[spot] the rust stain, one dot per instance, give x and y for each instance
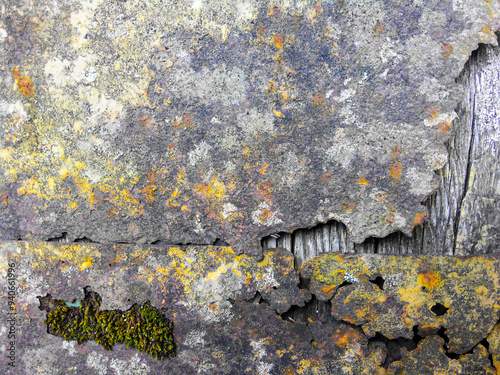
(444, 126)
(350, 205)
(23, 83)
(379, 28)
(318, 99)
(396, 169)
(362, 181)
(447, 49)
(279, 40)
(396, 152)
(420, 219)
(429, 279)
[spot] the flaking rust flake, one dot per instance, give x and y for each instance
(222, 325)
(220, 119)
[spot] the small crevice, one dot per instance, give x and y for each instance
(84, 239)
(486, 344)
(62, 238)
(378, 281)
(395, 347)
(442, 333)
(258, 299)
(344, 284)
(313, 310)
(219, 242)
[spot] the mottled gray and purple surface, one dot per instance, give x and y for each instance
(140, 122)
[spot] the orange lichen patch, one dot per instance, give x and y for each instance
(318, 99)
(468, 288)
(346, 337)
(213, 190)
(23, 83)
(396, 152)
(5, 198)
(86, 189)
(263, 170)
(148, 191)
(429, 279)
(278, 40)
(420, 219)
(444, 126)
(351, 205)
(362, 181)
(265, 190)
(328, 290)
(171, 201)
(30, 186)
(396, 169)
(265, 186)
(111, 212)
(379, 28)
(265, 215)
(277, 113)
(271, 87)
(481, 290)
(246, 150)
(447, 49)
(151, 176)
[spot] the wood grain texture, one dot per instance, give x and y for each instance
(464, 213)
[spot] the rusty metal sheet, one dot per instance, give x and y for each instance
(125, 121)
(393, 294)
(221, 325)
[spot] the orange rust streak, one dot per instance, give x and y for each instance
(396, 169)
(420, 219)
(24, 83)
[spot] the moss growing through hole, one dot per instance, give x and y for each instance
(142, 327)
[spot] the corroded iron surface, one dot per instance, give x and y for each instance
(230, 312)
(125, 121)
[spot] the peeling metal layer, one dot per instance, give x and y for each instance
(219, 327)
(187, 122)
(463, 292)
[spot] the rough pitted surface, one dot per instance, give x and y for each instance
(221, 325)
(186, 122)
(427, 292)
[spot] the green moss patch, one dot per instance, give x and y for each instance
(142, 327)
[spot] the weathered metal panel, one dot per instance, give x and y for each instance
(187, 122)
(229, 311)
